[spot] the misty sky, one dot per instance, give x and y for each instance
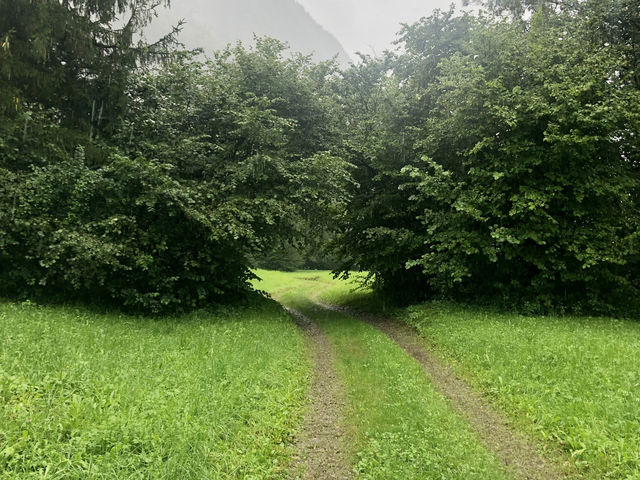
(369, 26)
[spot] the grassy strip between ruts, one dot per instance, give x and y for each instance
(573, 382)
(398, 426)
(85, 395)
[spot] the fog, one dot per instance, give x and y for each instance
(369, 26)
(322, 28)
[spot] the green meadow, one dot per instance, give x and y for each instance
(208, 395)
(573, 383)
(222, 394)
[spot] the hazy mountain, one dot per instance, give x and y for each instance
(212, 24)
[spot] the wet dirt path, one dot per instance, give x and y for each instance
(517, 453)
(320, 444)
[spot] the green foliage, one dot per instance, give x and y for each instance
(540, 197)
(305, 255)
(103, 396)
(69, 57)
(209, 165)
(492, 157)
(512, 172)
(124, 232)
(376, 226)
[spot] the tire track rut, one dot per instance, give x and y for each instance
(320, 445)
(515, 451)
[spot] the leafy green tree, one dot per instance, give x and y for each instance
(520, 179)
(200, 176)
(385, 101)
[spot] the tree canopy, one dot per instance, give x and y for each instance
(500, 159)
(157, 185)
(492, 157)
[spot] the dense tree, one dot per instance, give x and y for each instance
(492, 156)
(71, 56)
(520, 182)
(199, 168)
(385, 103)
(539, 204)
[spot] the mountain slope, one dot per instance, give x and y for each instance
(212, 24)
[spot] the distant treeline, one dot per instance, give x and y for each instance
(492, 157)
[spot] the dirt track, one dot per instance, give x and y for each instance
(320, 444)
(516, 452)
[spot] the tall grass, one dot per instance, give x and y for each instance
(205, 396)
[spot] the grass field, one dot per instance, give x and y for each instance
(399, 427)
(222, 395)
(571, 382)
(205, 396)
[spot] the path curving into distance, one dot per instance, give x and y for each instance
(517, 453)
(320, 443)
(383, 406)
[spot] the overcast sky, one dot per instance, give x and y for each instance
(369, 26)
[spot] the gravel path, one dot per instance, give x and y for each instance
(320, 444)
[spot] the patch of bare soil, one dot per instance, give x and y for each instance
(320, 443)
(518, 454)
